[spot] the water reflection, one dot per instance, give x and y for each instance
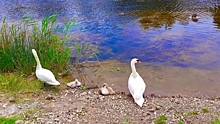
(157, 19)
(158, 31)
(155, 31)
(216, 16)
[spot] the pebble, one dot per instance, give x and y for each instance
(49, 97)
(19, 122)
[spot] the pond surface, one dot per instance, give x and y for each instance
(158, 32)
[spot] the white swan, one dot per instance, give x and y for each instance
(136, 84)
(44, 75)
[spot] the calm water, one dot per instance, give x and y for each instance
(155, 31)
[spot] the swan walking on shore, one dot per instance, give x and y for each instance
(42, 74)
(136, 84)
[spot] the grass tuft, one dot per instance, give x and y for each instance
(192, 113)
(127, 121)
(215, 121)
(161, 120)
(206, 110)
(12, 83)
(4, 120)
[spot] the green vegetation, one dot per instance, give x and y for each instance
(118, 69)
(84, 88)
(215, 121)
(4, 120)
(180, 122)
(192, 113)
(81, 112)
(28, 114)
(12, 84)
(127, 121)
(17, 40)
(17, 62)
(206, 110)
(161, 120)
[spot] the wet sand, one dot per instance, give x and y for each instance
(160, 80)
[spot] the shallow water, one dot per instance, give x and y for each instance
(160, 79)
(179, 55)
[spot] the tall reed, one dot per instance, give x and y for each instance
(17, 40)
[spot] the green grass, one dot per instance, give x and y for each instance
(180, 122)
(127, 121)
(215, 121)
(28, 114)
(161, 120)
(192, 113)
(4, 120)
(206, 110)
(13, 83)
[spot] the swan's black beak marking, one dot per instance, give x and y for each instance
(138, 61)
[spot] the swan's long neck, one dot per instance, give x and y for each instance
(133, 69)
(37, 60)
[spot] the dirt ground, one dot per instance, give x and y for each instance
(74, 106)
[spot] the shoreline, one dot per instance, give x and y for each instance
(75, 105)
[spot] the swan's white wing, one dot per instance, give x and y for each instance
(137, 87)
(131, 86)
(45, 75)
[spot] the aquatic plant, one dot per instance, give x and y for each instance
(17, 40)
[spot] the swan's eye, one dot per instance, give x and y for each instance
(138, 61)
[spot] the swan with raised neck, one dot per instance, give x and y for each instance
(133, 69)
(136, 84)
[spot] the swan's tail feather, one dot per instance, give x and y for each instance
(140, 101)
(53, 83)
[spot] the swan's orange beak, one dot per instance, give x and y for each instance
(138, 61)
